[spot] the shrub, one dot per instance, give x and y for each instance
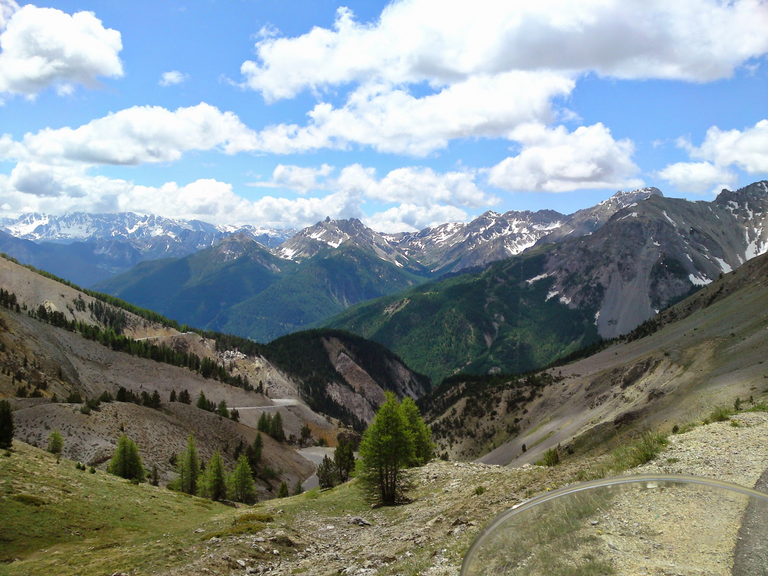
(55, 444)
(550, 458)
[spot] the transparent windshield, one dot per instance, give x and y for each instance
(629, 525)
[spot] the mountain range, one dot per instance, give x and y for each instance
(87, 248)
(505, 292)
(531, 309)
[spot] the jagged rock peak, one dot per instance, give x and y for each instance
(625, 198)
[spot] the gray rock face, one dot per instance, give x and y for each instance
(654, 252)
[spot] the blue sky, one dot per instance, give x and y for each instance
(404, 114)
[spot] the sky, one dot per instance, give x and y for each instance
(405, 114)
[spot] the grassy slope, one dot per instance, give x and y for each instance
(475, 322)
(90, 523)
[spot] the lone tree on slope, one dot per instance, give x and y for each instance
(126, 462)
(388, 447)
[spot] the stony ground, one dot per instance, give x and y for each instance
(335, 533)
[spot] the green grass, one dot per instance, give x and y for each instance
(639, 453)
(720, 414)
(57, 520)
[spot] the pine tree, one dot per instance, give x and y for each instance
(188, 468)
(385, 450)
(172, 397)
(282, 492)
(276, 428)
(253, 452)
(343, 459)
(240, 484)
(326, 473)
(298, 488)
(6, 425)
(184, 397)
(155, 400)
(202, 401)
(306, 434)
(234, 415)
(126, 462)
(214, 481)
(265, 423)
(423, 447)
(221, 409)
(55, 444)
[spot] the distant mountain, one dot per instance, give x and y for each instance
(240, 287)
(492, 321)
(180, 237)
(195, 289)
(653, 253)
(83, 263)
(88, 248)
(527, 311)
(319, 287)
(490, 237)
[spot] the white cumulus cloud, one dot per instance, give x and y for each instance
(698, 177)
(413, 217)
(393, 120)
(747, 149)
(141, 134)
(172, 78)
(43, 47)
(303, 179)
(556, 160)
(429, 40)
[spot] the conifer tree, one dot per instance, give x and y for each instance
(253, 452)
(126, 462)
(276, 428)
(343, 459)
(184, 397)
(241, 486)
(188, 468)
(385, 450)
(326, 473)
(221, 409)
(282, 492)
(298, 488)
(6, 425)
(214, 481)
(55, 444)
(202, 401)
(306, 434)
(423, 447)
(265, 423)
(172, 397)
